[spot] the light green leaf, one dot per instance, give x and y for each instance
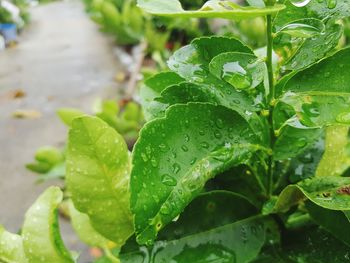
(67, 115)
(11, 247)
(49, 155)
(238, 242)
(334, 222)
(336, 152)
(176, 155)
(98, 168)
(319, 95)
(41, 237)
(82, 226)
(213, 8)
(328, 192)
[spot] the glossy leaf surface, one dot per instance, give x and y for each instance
(98, 177)
(213, 8)
(327, 192)
(152, 88)
(11, 247)
(319, 94)
(41, 237)
(238, 242)
(207, 207)
(176, 155)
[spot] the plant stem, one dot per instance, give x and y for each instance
(269, 65)
(110, 256)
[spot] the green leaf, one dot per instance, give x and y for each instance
(314, 49)
(208, 206)
(314, 9)
(41, 237)
(328, 192)
(336, 152)
(11, 247)
(67, 115)
(176, 155)
(82, 226)
(320, 95)
(334, 222)
(237, 242)
(312, 245)
(241, 70)
(49, 155)
(152, 88)
(192, 63)
(98, 168)
(211, 9)
(303, 28)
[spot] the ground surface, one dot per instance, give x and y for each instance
(62, 60)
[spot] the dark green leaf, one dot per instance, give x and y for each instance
(176, 155)
(239, 242)
(207, 207)
(334, 222)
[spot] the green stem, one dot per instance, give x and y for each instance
(271, 80)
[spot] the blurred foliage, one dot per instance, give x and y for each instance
(126, 118)
(5, 16)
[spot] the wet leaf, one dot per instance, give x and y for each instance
(237, 242)
(208, 206)
(328, 192)
(320, 95)
(41, 237)
(98, 177)
(11, 247)
(303, 28)
(152, 88)
(241, 70)
(176, 155)
(82, 226)
(213, 8)
(316, 48)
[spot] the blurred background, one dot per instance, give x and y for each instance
(65, 58)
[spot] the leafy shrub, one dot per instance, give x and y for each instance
(244, 158)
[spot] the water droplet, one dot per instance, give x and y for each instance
(236, 75)
(187, 138)
(176, 168)
(219, 123)
(205, 145)
(144, 157)
(154, 162)
(163, 147)
(165, 209)
(184, 148)
(300, 3)
(201, 132)
(218, 134)
(168, 180)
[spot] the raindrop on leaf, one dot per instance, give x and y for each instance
(300, 3)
